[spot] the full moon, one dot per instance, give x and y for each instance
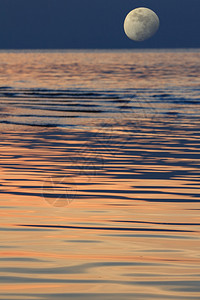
(141, 24)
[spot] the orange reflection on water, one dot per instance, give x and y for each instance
(100, 188)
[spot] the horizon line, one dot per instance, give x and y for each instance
(196, 49)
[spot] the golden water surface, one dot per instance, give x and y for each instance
(99, 175)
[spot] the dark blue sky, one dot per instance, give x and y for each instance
(62, 24)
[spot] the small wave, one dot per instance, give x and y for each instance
(105, 228)
(57, 94)
(157, 223)
(31, 124)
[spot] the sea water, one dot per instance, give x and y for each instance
(99, 174)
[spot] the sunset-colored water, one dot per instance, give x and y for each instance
(99, 175)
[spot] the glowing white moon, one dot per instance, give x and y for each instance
(141, 23)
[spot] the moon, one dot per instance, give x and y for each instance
(141, 23)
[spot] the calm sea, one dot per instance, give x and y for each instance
(99, 175)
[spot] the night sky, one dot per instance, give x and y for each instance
(84, 24)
